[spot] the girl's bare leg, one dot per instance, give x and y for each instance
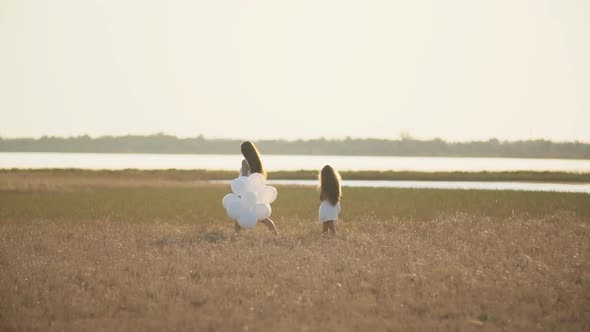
(332, 227)
(237, 227)
(329, 225)
(271, 226)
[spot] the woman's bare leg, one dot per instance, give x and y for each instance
(271, 225)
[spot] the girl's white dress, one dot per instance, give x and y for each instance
(328, 211)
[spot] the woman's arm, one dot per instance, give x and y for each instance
(245, 168)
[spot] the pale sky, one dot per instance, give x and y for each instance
(454, 69)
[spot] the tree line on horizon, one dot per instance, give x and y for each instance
(405, 146)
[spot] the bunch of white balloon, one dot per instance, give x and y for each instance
(250, 200)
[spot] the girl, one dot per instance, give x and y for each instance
(252, 164)
(330, 196)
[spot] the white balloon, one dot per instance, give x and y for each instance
(256, 181)
(228, 199)
(247, 185)
(262, 210)
(238, 186)
(234, 209)
(268, 195)
(247, 219)
(249, 199)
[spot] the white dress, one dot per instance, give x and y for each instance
(328, 211)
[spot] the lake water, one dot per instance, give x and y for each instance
(465, 185)
(283, 162)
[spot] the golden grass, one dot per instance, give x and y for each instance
(175, 175)
(152, 257)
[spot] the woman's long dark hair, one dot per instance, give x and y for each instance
(330, 185)
(252, 156)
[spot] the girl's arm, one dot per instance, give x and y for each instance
(321, 195)
(245, 168)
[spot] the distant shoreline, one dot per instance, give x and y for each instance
(404, 147)
(303, 154)
(175, 175)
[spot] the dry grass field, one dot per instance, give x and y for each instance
(155, 255)
(176, 175)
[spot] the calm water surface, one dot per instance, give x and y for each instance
(283, 162)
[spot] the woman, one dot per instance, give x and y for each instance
(252, 164)
(330, 196)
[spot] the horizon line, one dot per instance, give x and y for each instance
(335, 138)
